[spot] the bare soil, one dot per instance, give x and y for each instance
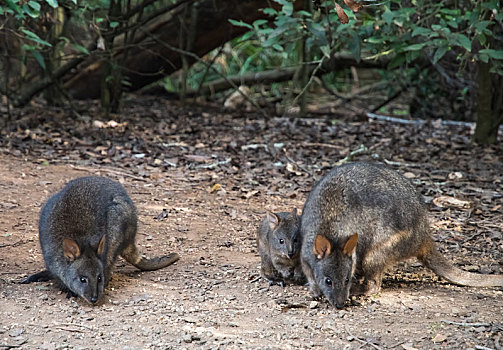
(170, 160)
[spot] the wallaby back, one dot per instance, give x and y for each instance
(278, 241)
(361, 218)
(82, 230)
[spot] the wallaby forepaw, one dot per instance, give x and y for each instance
(71, 294)
(276, 283)
(42, 276)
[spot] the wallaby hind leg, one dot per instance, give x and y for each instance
(372, 272)
(42, 276)
(132, 256)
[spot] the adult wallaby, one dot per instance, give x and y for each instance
(82, 230)
(278, 241)
(362, 218)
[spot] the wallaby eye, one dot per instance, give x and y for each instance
(83, 279)
(347, 280)
(281, 241)
(328, 281)
(99, 279)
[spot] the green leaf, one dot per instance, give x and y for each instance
(239, 23)
(482, 25)
(462, 40)
(52, 3)
(484, 58)
(259, 22)
(441, 51)
(270, 11)
(388, 16)
(495, 54)
(421, 31)
(114, 24)
(39, 59)
(30, 12)
(325, 49)
(397, 61)
(287, 9)
(34, 37)
(34, 5)
(414, 47)
(80, 48)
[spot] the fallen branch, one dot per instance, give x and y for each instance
(349, 158)
(365, 342)
(214, 165)
(15, 244)
(468, 324)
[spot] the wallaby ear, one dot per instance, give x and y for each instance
(71, 249)
(272, 219)
(101, 246)
(349, 247)
(294, 212)
(322, 247)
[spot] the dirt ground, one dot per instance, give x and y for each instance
(213, 297)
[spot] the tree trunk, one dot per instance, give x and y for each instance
(488, 113)
(149, 61)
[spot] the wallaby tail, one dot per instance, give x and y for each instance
(133, 257)
(434, 260)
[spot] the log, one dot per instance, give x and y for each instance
(149, 61)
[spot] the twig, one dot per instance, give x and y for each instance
(361, 149)
(15, 244)
(468, 324)
(297, 164)
(480, 347)
(365, 342)
(6, 346)
(310, 81)
(214, 165)
(396, 344)
(316, 144)
(73, 325)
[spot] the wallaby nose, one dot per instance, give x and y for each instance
(339, 306)
(93, 299)
(291, 255)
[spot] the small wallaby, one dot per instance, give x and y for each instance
(82, 230)
(362, 218)
(278, 242)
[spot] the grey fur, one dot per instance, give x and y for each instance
(278, 241)
(86, 210)
(387, 214)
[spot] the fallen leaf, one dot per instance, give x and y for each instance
(451, 202)
(408, 347)
(215, 188)
(439, 338)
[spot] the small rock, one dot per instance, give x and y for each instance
(313, 304)
(16, 332)
(187, 338)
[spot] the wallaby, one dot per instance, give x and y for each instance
(278, 242)
(82, 230)
(362, 218)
